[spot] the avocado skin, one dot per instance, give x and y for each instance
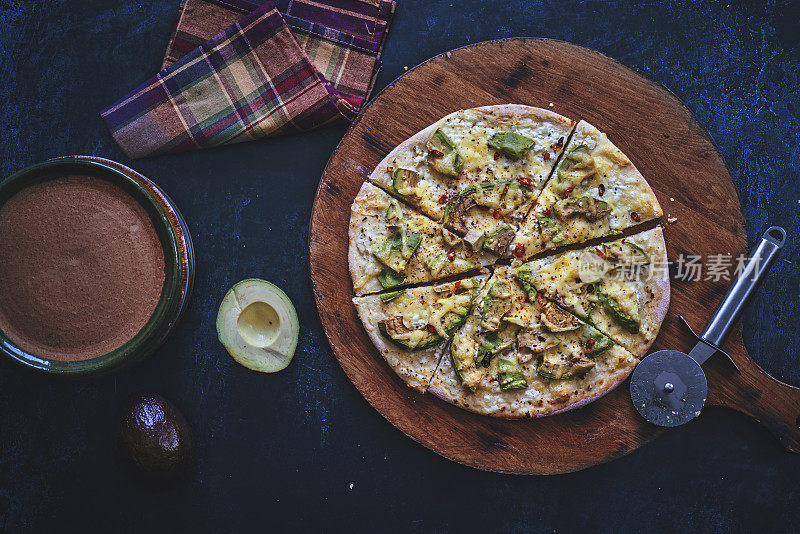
(152, 439)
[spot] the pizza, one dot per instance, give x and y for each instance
(391, 244)
(508, 260)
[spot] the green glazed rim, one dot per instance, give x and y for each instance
(172, 234)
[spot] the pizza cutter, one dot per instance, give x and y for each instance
(668, 387)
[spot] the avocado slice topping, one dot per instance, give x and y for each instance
(496, 304)
(395, 329)
(550, 229)
(405, 181)
(492, 343)
(393, 212)
(443, 154)
(525, 278)
(557, 365)
(576, 166)
(626, 253)
(509, 375)
(397, 249)
(594, 341)
(388, 278)
(626, 320)
(511, 144)
(462, 356)
(388, 297)
(449, 238)
(499, 239)
(587, 207)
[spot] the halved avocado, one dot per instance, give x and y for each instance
(511, 144)
(509, 375)
(557, 365)
(587, 207)
(258, 326)
(444, 155)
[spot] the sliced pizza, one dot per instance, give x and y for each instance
(596, 191)
(410, 327)
(479, 168)
(515, 357)
(621, 287)
(391, 244)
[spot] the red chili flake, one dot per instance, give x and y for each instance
(451, 255)
(590, 344)
(635, 216)
(496, 156)
(525, 181)
(436, 154)
(431, 328)
(519, 250)
(546, 156)
(600, 252)
(457, 285)
(496, 213)
(546, 212)
(568, 191)
(443, 199)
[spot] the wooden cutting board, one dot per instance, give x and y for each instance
(671, 150)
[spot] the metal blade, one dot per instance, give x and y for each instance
(702, 351)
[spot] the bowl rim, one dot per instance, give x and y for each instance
(170, 302)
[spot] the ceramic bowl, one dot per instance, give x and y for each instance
(178, 260)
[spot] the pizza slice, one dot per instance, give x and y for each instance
(621, 287)
(479, 169)
(596, 191)
(391, 244)
(516, 357)
(410, 327)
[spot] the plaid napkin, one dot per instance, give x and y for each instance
(272, 70)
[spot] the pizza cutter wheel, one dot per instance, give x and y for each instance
(668, 387)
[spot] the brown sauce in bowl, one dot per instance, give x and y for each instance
(81, 268)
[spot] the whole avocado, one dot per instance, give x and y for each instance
(152, 439)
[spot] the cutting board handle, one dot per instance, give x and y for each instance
(769, 401)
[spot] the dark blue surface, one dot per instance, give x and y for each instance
(281, 451)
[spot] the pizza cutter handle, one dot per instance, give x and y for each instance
(754, 271)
